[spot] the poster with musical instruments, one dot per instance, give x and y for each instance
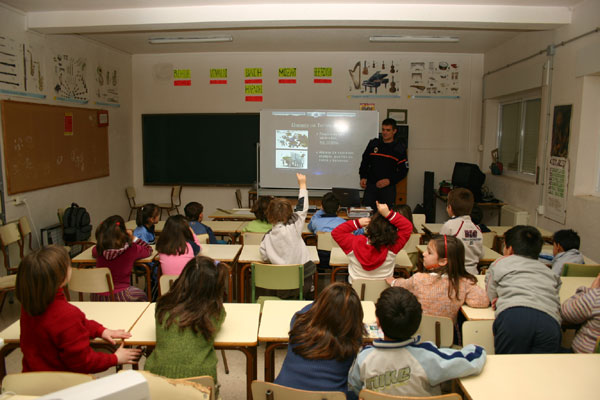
(21, 68)
(374, 78)
(434, 79)
(107, 85)
(70, 78)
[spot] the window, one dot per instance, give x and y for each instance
(518, 135)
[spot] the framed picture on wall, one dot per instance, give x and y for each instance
(401, 116)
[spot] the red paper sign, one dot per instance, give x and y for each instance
(68, 124)
(254, 98)
(218, 81)
(320, 80)
(187, 82)
(250, 81)
(287, 81)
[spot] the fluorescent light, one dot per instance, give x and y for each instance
(414, 39)
(207, 39)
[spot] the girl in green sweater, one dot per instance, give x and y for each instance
(188, 318)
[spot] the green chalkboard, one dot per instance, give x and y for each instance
(200, 149)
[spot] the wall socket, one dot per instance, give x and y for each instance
(19, 201)
(540, 210)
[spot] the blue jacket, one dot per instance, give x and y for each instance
(321, 222)
(200, 229)
(147, 235)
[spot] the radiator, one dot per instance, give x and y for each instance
(511, 216)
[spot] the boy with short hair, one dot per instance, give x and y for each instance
(194, 213)
(460, 204)
(326, 219)
(524, 293)
(565, 250)
(398, 364)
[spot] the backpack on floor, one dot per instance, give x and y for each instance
(76, 224)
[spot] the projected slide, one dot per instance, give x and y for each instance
(326, 145)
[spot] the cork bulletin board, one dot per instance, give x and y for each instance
(46, 145)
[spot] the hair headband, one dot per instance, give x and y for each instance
(118, 223)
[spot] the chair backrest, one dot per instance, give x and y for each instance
(176, 195)
(165, 282)
(479, 333)
(413, 241)
(585, 270)
(42, 382)
(130, 193)
(439, 330)
(180, 389)
(271, 391)
(206, 381)
(91, 280)
(203, 238)
(366, 394)
(25, 230)
(9, 236)
(325, 241)
(418, 220)
(488, 239)
(252, 237)
(282, 277)
(238, 197)
(369, 289)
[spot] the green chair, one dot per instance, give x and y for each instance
(276, 277)
(584, 270)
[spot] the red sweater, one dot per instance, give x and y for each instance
(59, 340)
(366, 261)
(120, 261)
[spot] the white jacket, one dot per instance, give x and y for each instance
(470, 234)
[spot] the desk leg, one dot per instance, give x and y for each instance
(270, 359)
(148, 280)
(251, 367)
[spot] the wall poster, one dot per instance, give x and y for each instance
(556, 192)
(374, 78)
(561, 123)
(434, 79)
(70, 78)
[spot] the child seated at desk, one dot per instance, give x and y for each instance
(584, 308)
(446, 285)
(261, 223)
(524, 293)
(398, 364)
(324, 339)
(146, 219)
(284, 243)
(176, 245)
(565, 249)
(326, 220)
(460, 204)
(188, 317)
(117, 249)
(55, 335)
(373, 255)
(194, 212)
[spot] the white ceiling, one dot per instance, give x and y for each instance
(257, 26)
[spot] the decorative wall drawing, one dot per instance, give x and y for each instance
(11, 66)
(34, 69)
(107, 84)
(70, 78)
(434, 79)
(374, 78)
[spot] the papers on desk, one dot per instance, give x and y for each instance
(359, 212)
(242, 211)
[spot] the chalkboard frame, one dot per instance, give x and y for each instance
(216, 149)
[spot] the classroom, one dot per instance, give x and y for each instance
(509, 52)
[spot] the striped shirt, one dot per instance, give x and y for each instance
(431, 290)
(583, 307)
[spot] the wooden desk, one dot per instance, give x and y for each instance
(233, 215)
(238, 332)
(547, 249)
(568, 288)
(275, 326)
(501, 230)
(535, 377)
(158, 228)
(223, 252)
(112, 315)
(85, 258)
(339, 261)
(251, 254)
(488, 257)
(226, 228)
(490, 205)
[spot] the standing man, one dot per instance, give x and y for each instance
(384, 164)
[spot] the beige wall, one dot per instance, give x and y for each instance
(104, 196)
(441, 130)
(567, 86)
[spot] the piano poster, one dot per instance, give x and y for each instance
(374, 78)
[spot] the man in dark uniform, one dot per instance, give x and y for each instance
(384, 164)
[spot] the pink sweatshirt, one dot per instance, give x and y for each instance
(173, 264)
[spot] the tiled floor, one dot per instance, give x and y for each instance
(233, 385)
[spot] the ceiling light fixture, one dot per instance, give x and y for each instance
(414, 39)
(208, 39)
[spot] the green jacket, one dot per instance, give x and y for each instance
(183, 354)
(258, 226)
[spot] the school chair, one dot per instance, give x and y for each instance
(413, 254)
(26, 235)
(252, 237)
(439, 330)
(9, 237)
(584, 270)
(205, 380)
(369, 289)
(238, 198)
(489, 238)
(271, 391)
(40, 383)
(203, 238)
(133, 205)
(165, 282)
(366, 394)
(276, 277)
(175, 201)
(180, 389)
(325, 241)
(418, 221)
(479, 333)
(7, 285)
(91, 280)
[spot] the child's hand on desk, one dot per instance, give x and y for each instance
(127, 356)
(494, 303)
(110, 334)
